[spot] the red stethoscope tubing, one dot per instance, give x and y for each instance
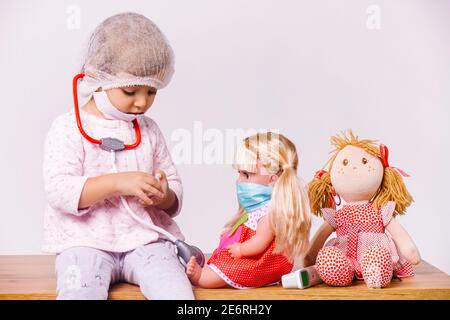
(80, 126)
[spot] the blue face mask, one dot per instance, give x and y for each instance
(252, 196)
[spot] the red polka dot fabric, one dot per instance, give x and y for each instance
(377, 267)
(256, 271)
(334, 268)
(362, 246)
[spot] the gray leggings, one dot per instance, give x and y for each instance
(85, 273)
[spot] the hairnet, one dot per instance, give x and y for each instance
(126, 49)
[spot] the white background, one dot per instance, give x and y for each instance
(310, 69)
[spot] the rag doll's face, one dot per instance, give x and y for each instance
(356, 175)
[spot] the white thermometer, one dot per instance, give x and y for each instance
(301, 279)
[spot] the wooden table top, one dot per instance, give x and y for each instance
(33, 277)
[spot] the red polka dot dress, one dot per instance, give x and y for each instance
(361, 247)
(260, 270)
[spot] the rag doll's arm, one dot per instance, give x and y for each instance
(317, 243)
(257, 244)
(403, 241)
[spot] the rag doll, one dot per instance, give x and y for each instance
(374, 193)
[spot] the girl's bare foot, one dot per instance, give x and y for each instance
(193, 271)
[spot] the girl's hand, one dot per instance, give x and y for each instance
(141, 185)
(168, 196)
(235, 250)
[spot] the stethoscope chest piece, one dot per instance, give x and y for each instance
(186, 251)
(112, 144)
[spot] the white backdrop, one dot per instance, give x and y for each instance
(307, 68)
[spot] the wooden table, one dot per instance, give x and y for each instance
(32, 277)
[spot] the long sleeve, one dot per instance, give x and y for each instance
(63, 167)
(162, 160)
(69, 160)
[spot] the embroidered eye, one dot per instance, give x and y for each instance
(345, 162)
(364, 160)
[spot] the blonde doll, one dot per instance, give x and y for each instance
(272, 225)
(374, 193)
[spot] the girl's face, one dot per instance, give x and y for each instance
(132, 100)
(356, 175)
(261, 177)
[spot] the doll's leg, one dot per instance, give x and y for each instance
(84, 273)
(334, 267)
(203, 277)
(155, 268)
(377, 267)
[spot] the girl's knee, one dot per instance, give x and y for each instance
(334, 267)
(161, 251)
(76, 283)
(82, 275)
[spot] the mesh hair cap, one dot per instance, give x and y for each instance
(126, 49)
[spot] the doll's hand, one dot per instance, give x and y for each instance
(412, 255)
(235, 250)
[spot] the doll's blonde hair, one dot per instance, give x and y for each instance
(392, 187)
(290, 214)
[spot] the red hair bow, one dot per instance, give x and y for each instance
(384, 151)
(319, 174)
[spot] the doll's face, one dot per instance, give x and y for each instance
(261, 177)
(356, 175)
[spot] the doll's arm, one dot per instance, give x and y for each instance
(258, 243)
(403, 241)
(317, 243)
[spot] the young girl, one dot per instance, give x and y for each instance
(374, 193)
(272, 225)
(96, 241)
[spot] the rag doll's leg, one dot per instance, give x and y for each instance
(155, 268)
(83, 274)
(377, 266)
(203, 277)
(334, 267)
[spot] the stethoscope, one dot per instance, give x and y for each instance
(112, 145)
